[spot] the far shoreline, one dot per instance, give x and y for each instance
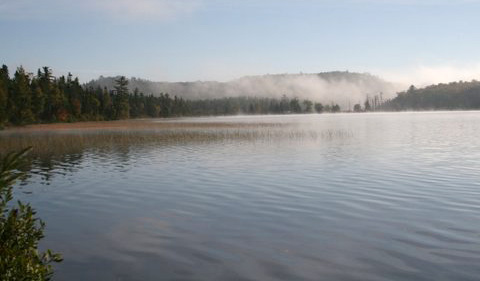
(128, 123)
(165, 122)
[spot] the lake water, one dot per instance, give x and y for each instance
(387, 196)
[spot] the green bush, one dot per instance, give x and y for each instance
(20, 230)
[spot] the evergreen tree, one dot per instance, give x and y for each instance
(136, 108)
(90, 104)
(368, 107)
(308, 106)
(47, 99)
(53, 96)
(411, 89)
(318, 107)
(21, 98)
(122, 108)
(284, 104)
(4, 82)
(151, 108)
(107, 105)
(335, 108)
(38, 100)
(166, 105)
(295, 105)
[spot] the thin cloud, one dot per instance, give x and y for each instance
(423, 75)
(114, 9)
(146, 9)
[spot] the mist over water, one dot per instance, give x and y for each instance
(386, 195)
(345, 88)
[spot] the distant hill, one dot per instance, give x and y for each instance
(452, 96)
(336, 87)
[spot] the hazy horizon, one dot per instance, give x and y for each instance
(403, 41)
(428, 76)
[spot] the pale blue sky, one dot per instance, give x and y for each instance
(422, 41)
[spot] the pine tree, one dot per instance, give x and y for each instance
(74, 96)
(38, 100)
(22, 98)
(90, 104)
(135, 104)
(318, 107)
(308, 106)
(122, 108)
(295, 105)
(107, 105)
(4, 82)
(51, 94)
(367, 105)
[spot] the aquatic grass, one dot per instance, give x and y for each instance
(59, 139)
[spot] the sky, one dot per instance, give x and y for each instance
(410, 41)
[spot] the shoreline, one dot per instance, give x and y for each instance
(180, 122)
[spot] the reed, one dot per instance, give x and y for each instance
(51, 139)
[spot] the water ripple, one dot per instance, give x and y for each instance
(397, 198)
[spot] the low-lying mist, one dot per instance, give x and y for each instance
(344, 88)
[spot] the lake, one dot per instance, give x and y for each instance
(381, 196)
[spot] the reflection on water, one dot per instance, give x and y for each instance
(321, 197)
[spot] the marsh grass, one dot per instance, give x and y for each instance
(59, 139)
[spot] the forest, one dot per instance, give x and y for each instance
(323, 86)
(27, 98)
(452, 96)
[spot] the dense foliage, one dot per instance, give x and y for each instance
(27, 98)
(20, 231)
(254, 105)
(452, 96)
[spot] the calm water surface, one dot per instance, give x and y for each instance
(396, 197)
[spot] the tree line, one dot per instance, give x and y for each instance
(452, 96)
(372, 103)
(256, 105)
(459, 95)
(27, 98)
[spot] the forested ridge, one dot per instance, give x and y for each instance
(336, 86)
(27, 98)
(452, 96)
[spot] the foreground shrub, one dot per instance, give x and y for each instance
(20, 230)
